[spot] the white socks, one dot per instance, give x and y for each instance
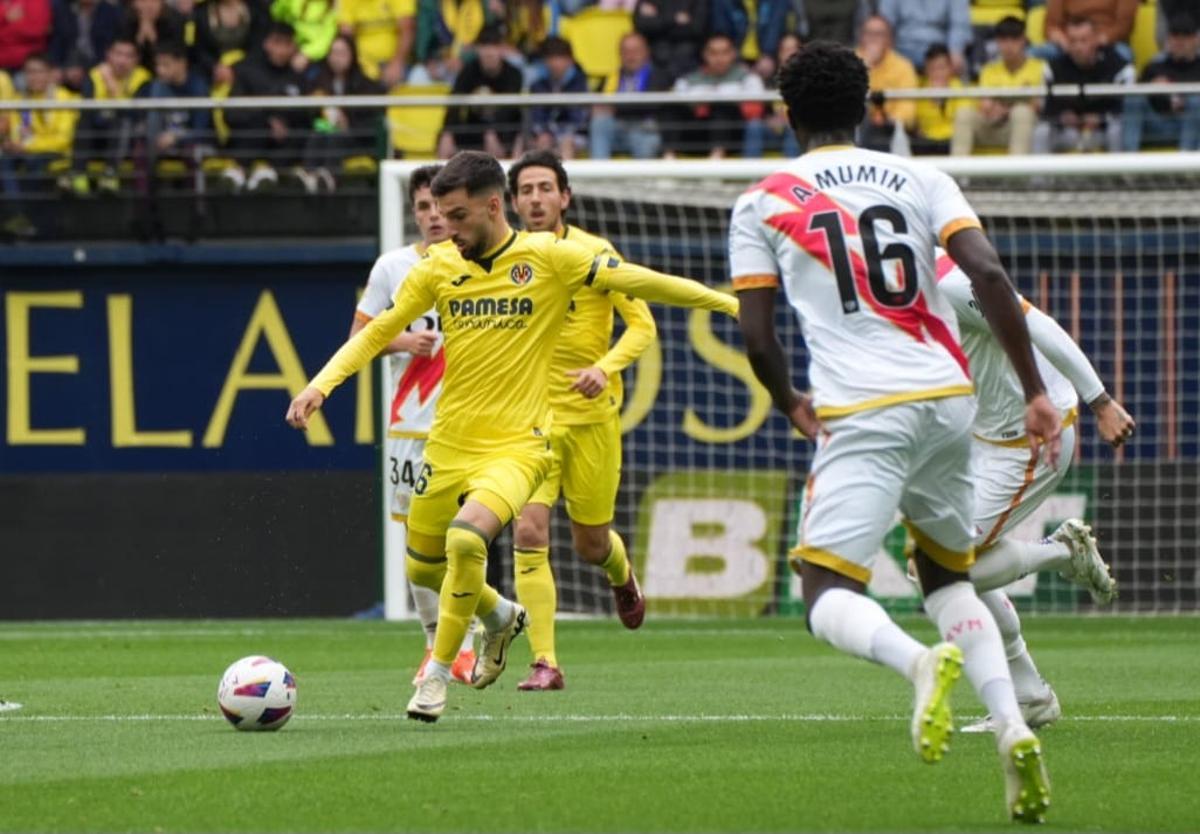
(426, 602)
(1027, 681)
(468, 643)
(962, 619)
(858, 625)
(437, 670)
(1008, 560)
(499, 616)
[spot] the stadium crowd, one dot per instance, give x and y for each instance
(99, 49)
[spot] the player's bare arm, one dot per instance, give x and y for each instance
(418, 344)
(757, 322)
(1112, 420)
(974, 253)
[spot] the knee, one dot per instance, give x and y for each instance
(1022, 115)
(591, 543)
(463, 546)
(531, 531)
(425, 574)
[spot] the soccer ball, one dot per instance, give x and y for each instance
(257, 693)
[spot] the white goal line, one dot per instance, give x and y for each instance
(698, 718)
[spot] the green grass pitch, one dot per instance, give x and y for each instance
(683, 726)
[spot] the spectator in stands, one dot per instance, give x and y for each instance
(935, 117)
(720, 129)
(1113, 20)
(831, 20)
(81, 36)
(1168, 118)
(525, 25)
(339, 132)
(226, 32)
(1002, 122)
(563, 129)
(493, 129)
(445, 31)
(631, 129)
(150, 22)
(181, 134)
(24, 31)
(1083, 123)
(887, 70)
(107, 135)
(33, 140)
(919, 24)
(269, 138)
(675, 30)
(776, 132)
(383, 32)
(315, 25)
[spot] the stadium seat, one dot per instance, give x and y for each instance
(414, 130)
(985, 13)
(595, 38)
(1144, 37)
(1035, 25)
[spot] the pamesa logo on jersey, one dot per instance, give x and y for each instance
(521, 274)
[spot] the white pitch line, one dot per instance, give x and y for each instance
(583, 719)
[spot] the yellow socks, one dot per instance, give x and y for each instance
(534, 583)
(463, 590)
(617, 563)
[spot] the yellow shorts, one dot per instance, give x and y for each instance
(501, 481)
(586, 470)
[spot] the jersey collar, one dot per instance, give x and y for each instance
(486, 262)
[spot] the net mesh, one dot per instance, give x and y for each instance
(712, 475)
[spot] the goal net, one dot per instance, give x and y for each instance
(712, 475)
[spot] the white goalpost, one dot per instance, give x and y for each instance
(711, 480)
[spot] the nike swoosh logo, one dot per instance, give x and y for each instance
(463, 594)
(527, 570)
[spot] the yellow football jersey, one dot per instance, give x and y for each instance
(584, 342)
(501, 315)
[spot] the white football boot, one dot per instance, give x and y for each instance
(938, 669)
(1026, 784)
(1087, 567)
(493, 653)
(429, 701)
(1038, 712)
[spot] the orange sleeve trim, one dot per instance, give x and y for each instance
(1025, 306)
(955, 226)
(359, 315)
(754, 282)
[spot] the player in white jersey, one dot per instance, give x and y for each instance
(1011, 481)
(850, 235)
(415, 362)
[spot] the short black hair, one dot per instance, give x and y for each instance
(421, 178)
(1182, 23)
(1011, 27)
(492, 35)
(280, 29)
(39, 58)
(824, 86)
(539, 159)
(719, 36)
(174, 49)
(936, 50)
(122, 39)
(475, 171)
(556, 47)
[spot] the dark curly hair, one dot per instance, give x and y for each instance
(538, 159)
(825, 87)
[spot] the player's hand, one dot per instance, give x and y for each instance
(804, 416)
(306, 402)
(1043, 427)
(589, 381)
(1113, 422)
(420, 343)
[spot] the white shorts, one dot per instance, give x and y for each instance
(913, 457)
(1010, 483)
(404, 456)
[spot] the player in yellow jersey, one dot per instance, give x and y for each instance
(502, 297)
(585, 395)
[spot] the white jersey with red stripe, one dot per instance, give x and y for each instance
(850, 234)
(416, 380)
(1001, 414)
